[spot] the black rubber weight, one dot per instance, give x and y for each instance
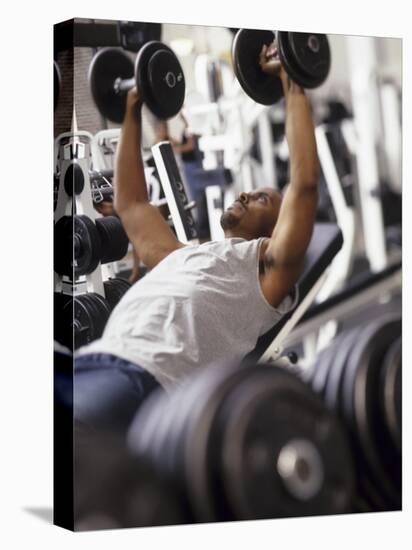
(253, 430)
(91, 312)
(304, 78)
(263, 88)
(160, 79)
(88, 253)
(114, 241)
(106, 66)
(114, 290)
(188, 438)
(343, 349)
(314, 61)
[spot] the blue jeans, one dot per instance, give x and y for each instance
(108, 391)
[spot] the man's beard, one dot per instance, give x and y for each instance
(228, 220)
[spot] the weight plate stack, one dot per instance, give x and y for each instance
(362, 413)
(114, 241)
(228, 436)
(358, 376)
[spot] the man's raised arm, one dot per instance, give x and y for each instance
(286, 250)
(146, 228)
(130, 183)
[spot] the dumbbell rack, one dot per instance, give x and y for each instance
(86, 289)
(79, 152)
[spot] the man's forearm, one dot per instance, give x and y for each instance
(130, 182)
(300, 135)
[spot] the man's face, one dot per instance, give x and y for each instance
(253, 214)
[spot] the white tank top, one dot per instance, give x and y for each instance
(201, 305)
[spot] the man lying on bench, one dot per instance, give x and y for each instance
(202, 303)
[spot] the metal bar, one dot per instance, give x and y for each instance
(276, 347)
(175, 192)
(123, 85)
(347, 308)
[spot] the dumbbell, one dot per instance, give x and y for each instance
(113, 238)
(246, 442)
(114, 289)
(77, 246)
(305, 57)
(80, 244)
(80, 319)
(157, 74)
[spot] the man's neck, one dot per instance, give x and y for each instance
(236, 234)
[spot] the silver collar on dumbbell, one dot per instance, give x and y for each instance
(300, 467)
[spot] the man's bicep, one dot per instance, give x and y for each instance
(149, 233)
(294, 227)
(277, 282)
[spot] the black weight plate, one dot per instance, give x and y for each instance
(114, 241)
(287, 58)
(102, 312)
(189, 438)
(263, 88)
(114, 290)
(154, 83)
(56, 84)
(155, 435)
(311, 54)
(360, 399)
(73, 179)
(167, 83)
(79, 319)
(90, 316)
(392, 391)
(87, 245)
(263, 413)
(344, 346)
(106, 66)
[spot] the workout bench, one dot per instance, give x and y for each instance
(326, 242)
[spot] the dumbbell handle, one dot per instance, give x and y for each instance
(123, 85)
(107, 192)
(98, 174)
